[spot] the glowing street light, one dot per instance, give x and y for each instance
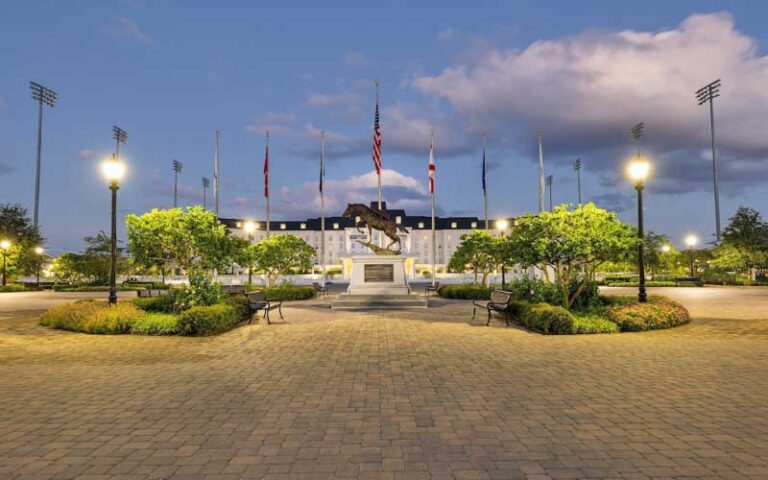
(113, 170)
(5, 245)
(250, 228)
(39, 252)
(502, 225)
(638, 171)
(666, 248)
(691, 241)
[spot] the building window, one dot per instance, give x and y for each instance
(454, 225)
(303, 226)
(282, 226)
(421, 224)
(335, 226)
(474, 224)
(398, 219)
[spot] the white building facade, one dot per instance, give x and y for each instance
(342, 238)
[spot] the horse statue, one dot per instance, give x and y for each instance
(376, 220)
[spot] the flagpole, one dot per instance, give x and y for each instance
(322, 204)
(266, 180)
(378, 172)
(216, 173)
(541, 172)
(432, 173)
(485, 186)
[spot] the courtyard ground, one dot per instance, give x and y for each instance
(420, 394)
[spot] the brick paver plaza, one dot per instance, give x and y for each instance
(406, 395)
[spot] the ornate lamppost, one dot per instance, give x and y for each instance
(638, 171)
(113, 170)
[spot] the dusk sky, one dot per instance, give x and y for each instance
(171, 73)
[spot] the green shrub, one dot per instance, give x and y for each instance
(207, 320)
(288, 291)
(202, 291)
(547, 319)
(13, 287)
(90, 288)
(651, 283)
(467, 291)
(92, 317)
(241, 306)
(658, 312)
(162, 304)
(156, 324)
(589, 324)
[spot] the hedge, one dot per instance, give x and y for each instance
(91, 288)
(590, 324)
(547, 319)
(208, 320)
(467, 291)
(92, 317)
(287, 291)
(13, 287)
(161, 304)
(652, 283)
(658, 312)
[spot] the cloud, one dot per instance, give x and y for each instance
(356, 59)
(125, 27)
(347, 105)
(277, 123)
(399, 190)
(86, 154)
(585, 91)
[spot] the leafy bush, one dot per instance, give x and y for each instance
(288, 291)
(162, 304)
(588, 298)
(156, 324)
(652, 283)
(202, 291)
(467, 291)
(536, 291)
(657, 313)
(92, 317)
(547, 319)
(589, 324)
(13, 287)
(241, 306)
(207, 320)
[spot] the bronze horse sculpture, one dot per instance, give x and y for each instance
(378, 220)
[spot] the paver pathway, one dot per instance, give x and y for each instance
(406, 395)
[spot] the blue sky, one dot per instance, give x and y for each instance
(172, 72)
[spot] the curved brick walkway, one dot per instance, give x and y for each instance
(408, 395)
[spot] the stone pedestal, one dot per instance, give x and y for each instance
(378, 275)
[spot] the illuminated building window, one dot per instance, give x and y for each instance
(282, 226)
(303, 226)
(454, 225)
(421, 224)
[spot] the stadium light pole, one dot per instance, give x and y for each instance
(42, 95)
(638, 171)
(577, 169)
(113, 171)
(636, 134)
(120, 136)
(177, 169)
(5, 245)
(707, 94)
(550, 180)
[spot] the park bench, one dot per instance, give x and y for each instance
(432, 289)
(320, 289)
(500, 302)
(151, 293)
(692, 281)
(258, 302)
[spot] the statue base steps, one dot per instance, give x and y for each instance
(346, 301)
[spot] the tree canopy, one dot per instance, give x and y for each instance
(189, 238)
(747, 234)
(281, 254)
(572, 242)
(16, 227)
(479, 252)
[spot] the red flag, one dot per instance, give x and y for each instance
(266, 173)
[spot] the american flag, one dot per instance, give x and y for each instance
(266, 173)
(432, 168)
(377, 141)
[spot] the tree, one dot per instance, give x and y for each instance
(16, 227)
(479, 252)
(189, 238)
(281, 254)
(68, 267)
(573, 243)
(91, 266)
(747, 233)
